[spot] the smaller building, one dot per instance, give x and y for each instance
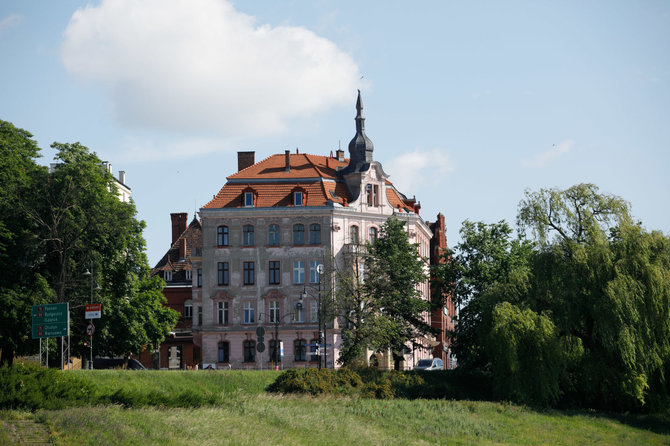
(175, 268)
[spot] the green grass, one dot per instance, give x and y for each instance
(270, 419)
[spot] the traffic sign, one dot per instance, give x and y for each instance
(50, 320)
(260, 347)
(90, 329)
(260, 331)
(93, 311)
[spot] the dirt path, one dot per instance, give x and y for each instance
(26, 432)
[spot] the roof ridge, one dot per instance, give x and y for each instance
(249, 167)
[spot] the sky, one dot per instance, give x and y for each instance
(468, 104)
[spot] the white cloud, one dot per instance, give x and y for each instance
(411, 171)
(200, 66)
(544, 158)
(9, 21)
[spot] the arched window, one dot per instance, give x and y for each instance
(249, 348)
(300, 349)
(273, 235)
(224, 352)
(248, 235)
(315, 234)
(373, 234)
(353, 234)
(299, 234)
(222, 236)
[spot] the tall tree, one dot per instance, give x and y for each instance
(383, 306)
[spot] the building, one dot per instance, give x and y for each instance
(257, 285)
(175, 268)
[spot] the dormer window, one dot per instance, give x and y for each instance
(167, 276)
(297, 198)
(372, 192)
(299, 195)
(248, 199)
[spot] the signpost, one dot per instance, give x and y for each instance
(51, 320)
(93, 311)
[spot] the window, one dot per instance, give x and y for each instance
(223, 274)
(299, 313)
(249, 273)
(199, 315)
(249, 351)
(222, 311)
(314, 311)
(299, 271)
(274, 351)
(368, 192)
(361, 271)
(353, 234)
(274, 312)
(275, 272)
(248, 198)
(248, 235)
(299, 234)
(375, 195)
(188, 309)
(297, 198)
(313, 273)
(222, 236)
(224, 352)
(299, 347)
(167, 276)
(372, 234)
(189, 276)
(199, 282)
(273, 235)
(313, 350)
(315, 234)
(248, 312)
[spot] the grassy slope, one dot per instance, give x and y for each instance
(243, 414)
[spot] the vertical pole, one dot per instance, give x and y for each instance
(61, 353)
(47, 363)
(40, 351)
(90, 321)
(320, 341)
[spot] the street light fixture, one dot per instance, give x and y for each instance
(298, 305)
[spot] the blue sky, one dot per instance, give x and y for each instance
(467, 103)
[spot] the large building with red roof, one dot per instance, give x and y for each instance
(257, 286)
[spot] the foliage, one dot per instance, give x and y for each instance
(59, 225)
(580, 319)
(378, 295)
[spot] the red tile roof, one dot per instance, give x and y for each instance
(192, 236)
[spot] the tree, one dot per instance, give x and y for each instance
(382, 304)
(71, 221)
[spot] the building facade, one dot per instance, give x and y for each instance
(257, 287)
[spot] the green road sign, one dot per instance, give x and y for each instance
(51, 320)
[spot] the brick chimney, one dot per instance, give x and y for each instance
(178, 225)
(340, 155)
(287, 160)
(245, 159)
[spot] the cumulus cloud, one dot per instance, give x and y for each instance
(544, 158)
(201, 66)
(9, 21)
(411, 171)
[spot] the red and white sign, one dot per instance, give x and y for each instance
(93, 311)
(90, 329)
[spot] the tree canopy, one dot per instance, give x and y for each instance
(72, 222)
(582, 318)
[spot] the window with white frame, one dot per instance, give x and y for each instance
(299, 315)
(299, 271)
(189, 274)
(353, 234)
(274, 312)
(167, 276)
(222, 310)
(273, 235)
(313, 271)
(248, 198)
(249, 313)
(372, 234)
(297, 198)
(314, 311)
(188, 309)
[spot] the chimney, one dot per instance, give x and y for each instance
(245, 159)
(122, 177)
(287, 160)
(178, 225)
(340, 155)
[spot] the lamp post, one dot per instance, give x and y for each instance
(90, 321)
(321, 336)
(277, 318)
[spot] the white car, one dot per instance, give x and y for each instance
(429, 364)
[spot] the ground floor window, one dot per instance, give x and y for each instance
(249, 351)
(224, 352)
(313, 349)
(274, 351)
(300, 348)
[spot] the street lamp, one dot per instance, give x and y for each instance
(90, 321)
(277, 318)
(321, 337)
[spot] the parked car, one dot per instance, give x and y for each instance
(117, 363)
(429, 364)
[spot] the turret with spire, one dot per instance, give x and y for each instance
(360, 147)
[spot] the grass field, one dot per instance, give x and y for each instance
(240, 412)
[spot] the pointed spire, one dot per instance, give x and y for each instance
(360, 147)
